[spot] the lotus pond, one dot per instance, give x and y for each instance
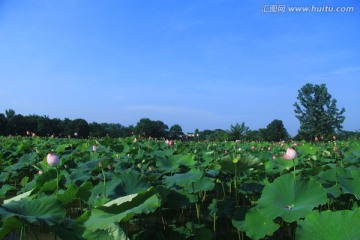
(146, 189)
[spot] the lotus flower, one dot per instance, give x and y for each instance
(52, 159)
(169, 142)
(94, 148)
(290, 154)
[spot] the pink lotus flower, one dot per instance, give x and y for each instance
(290, 154)
(169, 142)
(52, 159)
(94, 148)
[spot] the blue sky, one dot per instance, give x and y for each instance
(202, 64)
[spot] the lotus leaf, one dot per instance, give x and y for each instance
(291, 199)
(329, 225)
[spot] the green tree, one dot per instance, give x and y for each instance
(175, 131)
(238, 131)
(276, 131)
(150, 128)
(255, 135)
(317, 112)
(81, 127)
(3, 125)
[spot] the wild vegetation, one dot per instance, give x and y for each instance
(135, 188)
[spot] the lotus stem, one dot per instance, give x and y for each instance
(57, 180)
(34, 233)
(294, 173)
(198, 211)
(104, 179)
(22, 232)
(214, 222)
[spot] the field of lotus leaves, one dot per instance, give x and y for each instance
(146, 189)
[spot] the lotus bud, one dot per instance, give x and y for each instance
(290, 154)
(100, 164)
(94, 148)
(52, 159)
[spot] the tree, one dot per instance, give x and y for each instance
(81, 127)
(175, 131)
(276, 131)
(149, 128)
(255, 135)
(3, 125)
(238, 131)
(317, 112)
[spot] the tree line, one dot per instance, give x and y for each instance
(35, 125)
(316, 110)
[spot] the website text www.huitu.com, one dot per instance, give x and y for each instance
(280, 8)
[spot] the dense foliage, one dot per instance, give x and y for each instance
(146, 189)
(317, 112)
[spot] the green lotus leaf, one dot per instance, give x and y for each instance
(4, 189)
(113, 232)
(47, 210)
(122, 184)
(353, 154)
(307, 149)
(187, 160)
(167, 165)
(83, 171)
(329, 225)
(203, 184)
(183, 179)
(278, 165)
(68, 195)
(123, 209)
(178, 198)
(9, 225)
(350, 182)
(27, 159)
(18, 197)
(257, 225)
(203, 234)
(68, 229)
(222, 208)
(240, 163)
(291, 199)
(128, 182)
